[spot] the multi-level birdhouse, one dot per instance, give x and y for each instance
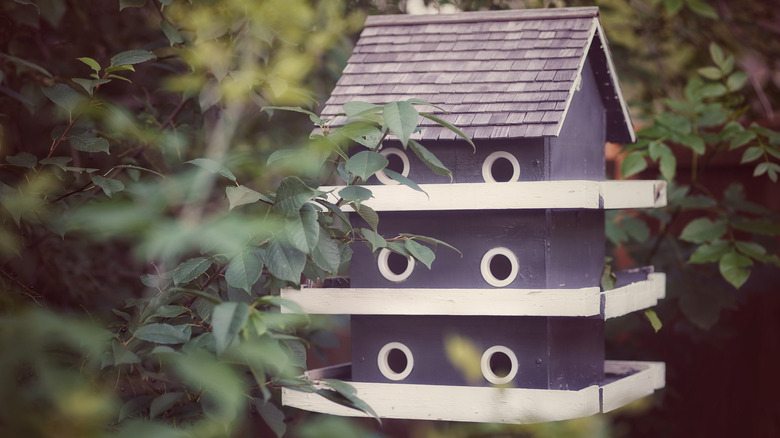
(537, 92)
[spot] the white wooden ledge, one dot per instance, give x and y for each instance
(488, 404)
(515, 195)
(495, 302)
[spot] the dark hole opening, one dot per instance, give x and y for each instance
(502, 170)
(397, 263)
(500, 364)
(395, 163)
(500, 267)
(396, 361)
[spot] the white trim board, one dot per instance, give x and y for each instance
(494, 301)
(515, 195)
(487, 404)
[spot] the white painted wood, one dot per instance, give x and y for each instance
(646, 378)
(635, 296)
(487, 404)
(515, 195)
(633, 194)
(457, 403)
(498, 302)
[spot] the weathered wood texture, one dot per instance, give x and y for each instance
(507, 77)
(628, 381)
(552, 353)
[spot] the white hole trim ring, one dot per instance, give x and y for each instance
(382, 177)
(384, 267)
(487, 166)
(488, 373)
(487, 274)
(382, 361)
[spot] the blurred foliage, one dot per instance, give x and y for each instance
(159, 186)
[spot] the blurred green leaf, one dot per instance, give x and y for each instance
(673, 6)
(214, 167)
(228, 319)
(654, 320)
(110, 186)
(163, 402)
(173, 34)
(22, 159)
(272, 416)
(709, 252)
(87, 143)
(712, 73)
(242, 195)
(703, 230)
(164, 333)
(736, 81)
(131, 57)
(632, 164)
(64, 96)
(733, 267)
(701, 8)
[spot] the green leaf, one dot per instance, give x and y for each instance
(674, 122)
(131, 57)
(403, 180)
(358, 108)
(712, 73)
(673, 6)
(27, 64)
(109, 185)
(694, 142)
(703, 230)
(22, 159)
(64, 96)
(752, 154)
(326, 254)
(712, 115)
(242, 195)
(123, 355)
(709, 252)
(190, 270)
(163, 402)
(420, 252)
(90, 62)
(736, 81)
(303, 229)
(668, 165)
(758, 226)
(751, 249)
(227, 321)
(361, 132)
(741, 138)
(272, 416)
(429, 159)
(335, 210)
(213, 167)
(244, 269)
(451, 127)
(291, 195)
(717, 55)
(368, 214)
(356, 194)
(131, 4)
(89, 85)
(122, 78)
(713, 90)
(85, 143)
(113, 68)
(164, 333)
(61, 162)
(283, 262)
(733, 267)
(635, 228)
(401, 118)
(173, 34)
(431, 241)
(351, 400)
(701, 8)
(374, 240)
(366, 163)
(633, 163)
(654, 320)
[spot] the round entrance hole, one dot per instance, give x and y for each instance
(394, 266)
(397, 161)
(499, 267)
(499, 365)
(500, 166)
(395, 361)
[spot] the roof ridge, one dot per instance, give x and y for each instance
(479, 16)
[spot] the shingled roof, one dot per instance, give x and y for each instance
(499, 74)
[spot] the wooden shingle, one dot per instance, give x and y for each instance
(500, 74)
